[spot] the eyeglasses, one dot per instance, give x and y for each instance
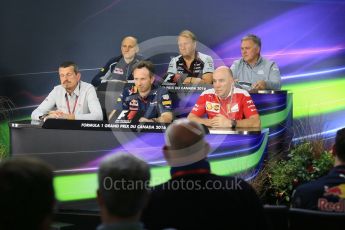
(66, 75)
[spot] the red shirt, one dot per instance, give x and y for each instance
(237, 107)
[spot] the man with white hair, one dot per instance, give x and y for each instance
(190, 67)
(194, 197)
(254, 70)
(123, 181)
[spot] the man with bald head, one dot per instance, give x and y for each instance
(225, 105)
(194, 198)
(120, 67)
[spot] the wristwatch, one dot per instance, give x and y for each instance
(233, 124)
(43, 116)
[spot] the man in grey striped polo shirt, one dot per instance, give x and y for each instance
(253, 71)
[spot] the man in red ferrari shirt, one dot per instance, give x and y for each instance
(225, 105)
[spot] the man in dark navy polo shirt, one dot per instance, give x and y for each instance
(152, 103)
(120, 67)
(328, 192)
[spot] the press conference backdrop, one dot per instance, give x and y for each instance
(305, 38)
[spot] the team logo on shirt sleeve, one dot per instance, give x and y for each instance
(196, 107)
(166, 100)
(166, 97)
(275, 68)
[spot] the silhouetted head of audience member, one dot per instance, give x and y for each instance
(27, 195)
(184, 143)
(339, 147)
(123, 188)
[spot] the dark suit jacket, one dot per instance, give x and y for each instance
(199, 201)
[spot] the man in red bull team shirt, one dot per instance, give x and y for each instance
(225, 105)
(328, 192)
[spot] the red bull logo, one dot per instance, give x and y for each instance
(324, 205)
(338, 191)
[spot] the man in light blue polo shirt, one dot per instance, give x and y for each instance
(253, 71)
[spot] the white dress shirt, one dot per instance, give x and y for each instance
(87, 106)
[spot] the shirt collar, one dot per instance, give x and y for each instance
(202, 164)
(76, 90)
(231, 92)
(338, 169)
(153, 90)
(196, 57)
(257, 62)
(152, 93)
(135, 60)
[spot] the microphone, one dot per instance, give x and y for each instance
(172, 78)
(176, 78)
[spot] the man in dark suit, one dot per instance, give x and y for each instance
(328, 192)
(27, 194)
(194, 197)
(122, 191)
(120, 67)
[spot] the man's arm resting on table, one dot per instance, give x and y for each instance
(57, 114)
(252, 122)
(220, 121)
(207, 78)
(45, 107)
(204, 121)
(274, 81)
(165, 117)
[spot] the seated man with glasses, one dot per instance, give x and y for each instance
(72, 100)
